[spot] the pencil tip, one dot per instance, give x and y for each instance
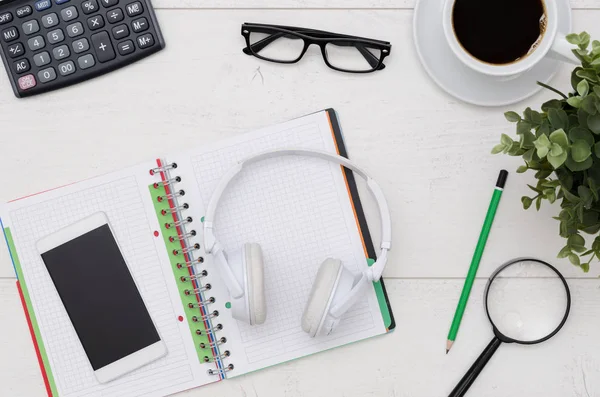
(449, 344)
(447, 351)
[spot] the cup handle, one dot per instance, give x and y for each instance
(562, 50)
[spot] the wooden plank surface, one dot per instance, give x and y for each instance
(409, 362)
(315, 4)
(428, 151)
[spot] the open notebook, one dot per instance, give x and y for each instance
(299, 210)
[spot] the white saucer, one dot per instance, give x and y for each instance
(463, 82)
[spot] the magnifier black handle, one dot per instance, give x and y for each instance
(473, 372)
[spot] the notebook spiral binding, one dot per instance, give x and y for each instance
(187, 259)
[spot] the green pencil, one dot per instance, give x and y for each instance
(483, 236)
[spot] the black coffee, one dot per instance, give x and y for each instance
(498, 31)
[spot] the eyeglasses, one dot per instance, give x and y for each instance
(288, 44)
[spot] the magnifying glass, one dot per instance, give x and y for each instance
(528, 302)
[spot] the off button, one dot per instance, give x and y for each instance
(5, 17)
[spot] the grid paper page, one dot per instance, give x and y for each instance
(122, 202)
(299, 211)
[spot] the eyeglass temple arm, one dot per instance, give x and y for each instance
(260, 45)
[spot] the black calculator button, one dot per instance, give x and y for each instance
(140, 25)
(103, 47)
(46, 75)
(10, 34)
(30, 27)
(50, 20)
(66, 68)
(115, 15)
(81, 45)
(89, 6)
(86, 61)
(96, 22)
(5, 17)
(120, 32)
(61, 52)
(35, 43)
(42, 5)
(145, 41)
(75, 29)
(24, 11)
(41, 59)
(134, 9)
(61, 1)
(16, 50)
(26, 82)
(69, 13)
(109, 3)
(126, 47)
(21, 66)
(56, 36)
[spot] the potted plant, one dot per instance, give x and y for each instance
(561, 145)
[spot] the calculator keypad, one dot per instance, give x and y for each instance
(47, 44)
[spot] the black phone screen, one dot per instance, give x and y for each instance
(100, 296)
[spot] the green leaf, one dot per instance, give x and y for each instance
(558, 119)
(498, 149)
(542, 144)
(528, 156)
(556, 150)
(597, 149)
(538, 203)
(527, 201)
(575, 166)
(522, 169)
(543, 174)
(565, 178)
(589, 104)
(585, 267)
(582, 117)
(553, 103)
(580, 150)
(573, 38)
(596, 89)
(575, 101)
(574, 259)
(560, 137)
(593, 123)
(513, 117)
(584, 40)
(506, 140)
(571, 197)
(581, 133)
(523, 127)
(574, 78)
(595, 62)
(526, 141)
(564, 252)
(557, 160)
(583, 88)
(588, 74)
(586, 197)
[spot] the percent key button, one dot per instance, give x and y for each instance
(103, 47)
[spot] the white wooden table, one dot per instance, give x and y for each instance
(429, 152)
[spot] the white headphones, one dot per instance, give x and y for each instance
(335, 288)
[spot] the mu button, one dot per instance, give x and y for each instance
(103, 47)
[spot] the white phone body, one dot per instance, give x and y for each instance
(129, 362)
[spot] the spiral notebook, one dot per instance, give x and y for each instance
(300, 210)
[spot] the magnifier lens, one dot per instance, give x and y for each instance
(527, 301)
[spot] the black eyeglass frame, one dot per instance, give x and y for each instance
(318, 37)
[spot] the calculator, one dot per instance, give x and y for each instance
(50, 44)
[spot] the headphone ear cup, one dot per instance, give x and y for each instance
(256, 286)
(320, 295)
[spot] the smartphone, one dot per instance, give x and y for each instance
(101, 298)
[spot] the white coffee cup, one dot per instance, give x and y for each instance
(553, 44)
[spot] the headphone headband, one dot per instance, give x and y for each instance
(374, 272)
